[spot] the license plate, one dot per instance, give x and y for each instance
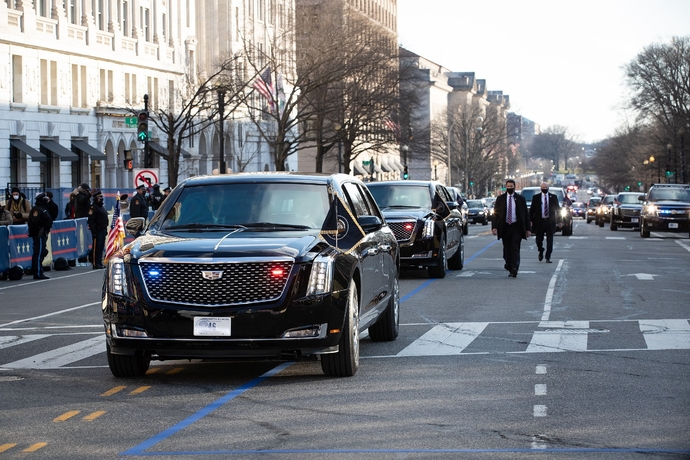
(673, 225)
(210, 326)
(634, 220)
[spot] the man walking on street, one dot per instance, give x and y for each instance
(511, 225)
(543, 214)
(98, 224)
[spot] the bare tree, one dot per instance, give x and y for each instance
(192, 106)
(553, 144)
(660, 80)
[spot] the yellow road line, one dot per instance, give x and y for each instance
(94, 415)
(66, 416)
(174, 371)
(153, 370)
(139, 390)
(35, 447)
(113, 391)
(4, 447)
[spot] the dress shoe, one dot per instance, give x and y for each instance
(548, 261)
(541, 254)
(41, 277)
(513, 274)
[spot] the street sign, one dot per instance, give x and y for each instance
(131, 122)
(366, 162)
(146, 177)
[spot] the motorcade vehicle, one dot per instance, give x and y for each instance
(603, 215)
(665, 208)
(489, 202)
(426, 224)
(254, 266)
(565, 219)
(478, 213)
(625, 210)
(464, 209)
(592, 208)
(578, 209)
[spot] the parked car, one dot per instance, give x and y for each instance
(464, 210)
(665, 208)
(625, 210)
(604, 210)
(426, 223)
(578, 209)
(258, 266)
(565, 219)
(478, 213)
(592, 208)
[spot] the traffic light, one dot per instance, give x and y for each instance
(143, 126)
(406, 174)
(129, 163)
(639, 184)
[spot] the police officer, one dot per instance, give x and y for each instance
(156, 197)
(40, 224)
(98, 224)
(139, 205)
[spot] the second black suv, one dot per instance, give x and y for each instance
(426, 222)
(665, 208)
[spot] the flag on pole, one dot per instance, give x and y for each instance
(264, 85)
(116, 235)
(392, 126)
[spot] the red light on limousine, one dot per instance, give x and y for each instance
(409, 227)
(277, 272)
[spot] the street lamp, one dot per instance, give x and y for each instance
(338, 127)
(658, 168)
(221, 112)
(435, 170)
(668, 163)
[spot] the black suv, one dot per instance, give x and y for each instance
(625, 210)
(426, 222)
(665, 208)
(258, 266)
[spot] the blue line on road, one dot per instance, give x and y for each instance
(139, 450)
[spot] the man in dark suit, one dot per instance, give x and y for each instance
(544, 212)
(511, 225)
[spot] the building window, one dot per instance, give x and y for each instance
(17, 79)
(145, 24)
(124, 24)
(49, 82)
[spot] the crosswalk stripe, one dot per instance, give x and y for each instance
(12, 340)
(563, 336)
(666, 334)
(61, 356)
(445, 339)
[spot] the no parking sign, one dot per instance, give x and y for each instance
(146, 177)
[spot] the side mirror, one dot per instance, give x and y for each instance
(135, 225)
(369, 223)
(642, 197)
(452, 204)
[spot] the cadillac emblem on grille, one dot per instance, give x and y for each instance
(212, 274)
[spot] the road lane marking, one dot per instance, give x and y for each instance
(563, 336)
(10, 341)
(539, 410)
(139, 390)
(48, 315)
(61, 356)
(8, 446)
(114, 390)
(35, 447)
(549, 292)
(445, 339)
(541, 369)
(66, 416)
(93, 416)
(174, 371)
(683, 245)
(666, 334)
(540, 389)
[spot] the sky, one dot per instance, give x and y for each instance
(561, 62)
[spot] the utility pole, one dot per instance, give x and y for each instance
(148, 161)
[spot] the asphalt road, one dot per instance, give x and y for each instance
(587, 357)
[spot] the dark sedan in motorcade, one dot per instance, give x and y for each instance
(258, 266)
(578, 209)
(625, 210)
(665, 208)
(477, 212)
(592, 208)
(604, 210)
(426, 223)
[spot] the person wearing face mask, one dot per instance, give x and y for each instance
(40, 224)
(19, 207)
(98, 224)
(543, 216)
(511, 225)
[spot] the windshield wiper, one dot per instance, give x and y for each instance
(197, 226)
(274, 225)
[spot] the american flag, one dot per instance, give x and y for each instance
(116, 235)
(264, 86)
(393, 126)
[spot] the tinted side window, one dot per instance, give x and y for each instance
(370, 202)
(354, 197)
(443, 193)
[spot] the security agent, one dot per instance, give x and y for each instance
(40, 224)
(98, 224)
(139, 205)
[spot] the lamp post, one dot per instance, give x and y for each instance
(668, 163)
(658, 168)
(435, 170)
(338, 127)
(221, 143)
